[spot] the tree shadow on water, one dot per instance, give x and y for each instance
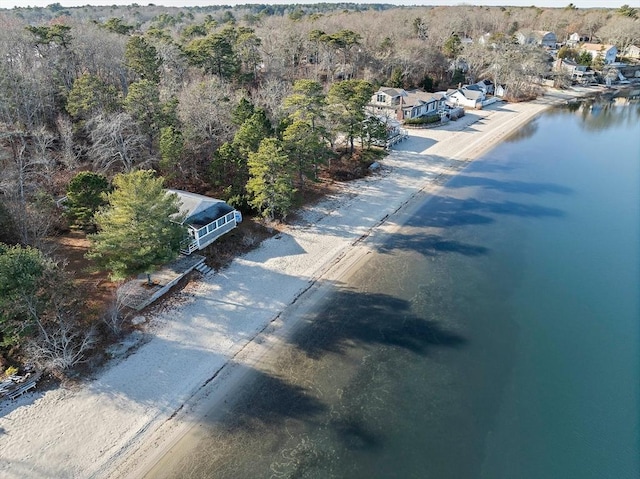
(508, 186)
(448, 211)
(430, 245)
(270, 400)
(353, 317)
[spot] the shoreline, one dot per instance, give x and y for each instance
(128, 418)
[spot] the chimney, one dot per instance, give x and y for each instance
(399, 114)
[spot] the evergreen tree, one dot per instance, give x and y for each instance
(90, 96)
(306, 149)
(347, 100)
(271, 180)
(307, 102)
(142, 58)
(139, 229)
(452, 46)
(248, 137)
(144, 106)
(85, 195)
(242, 112)
(215, 54)
(22, 297)
(171, 148)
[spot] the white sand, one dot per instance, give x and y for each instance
(120, 423)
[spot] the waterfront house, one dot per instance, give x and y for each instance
(469, 96)
(420, 103)
(403, 104)
(579, 73)
(206, 219)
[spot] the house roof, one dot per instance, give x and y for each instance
(474, 87)
(596, 47)
(393, 91)
(469, 93)
(416, 97)
(200, 210)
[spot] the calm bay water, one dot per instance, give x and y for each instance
(495, 335)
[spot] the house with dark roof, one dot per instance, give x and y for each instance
(205, 218)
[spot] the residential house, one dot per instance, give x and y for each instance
(632, 51)
(486, 86)
(404, 104)
(608, 52)
(469, 96)
(420, 103)
(206, 219)
(579, 73)
(386, 101)
(537, 37)
(576, 38)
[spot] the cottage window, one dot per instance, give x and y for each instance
(380, 98)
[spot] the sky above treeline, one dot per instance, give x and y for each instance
(191, 3)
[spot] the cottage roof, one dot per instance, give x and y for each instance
(200, 210)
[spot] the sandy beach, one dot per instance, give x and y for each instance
(120, 423)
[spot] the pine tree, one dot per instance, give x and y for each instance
(85, 194)
(139, 229)
(271, 182)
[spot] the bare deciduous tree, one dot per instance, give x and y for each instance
(115, 316)
(116, 143)
(60, 345)
(204, 110)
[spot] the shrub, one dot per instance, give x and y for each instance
(423, 120)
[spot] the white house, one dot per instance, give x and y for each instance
(632, 51)
(469, 96)
(576, 38)
(537, 37)
(608, 52)
(486, 86)
(206, 219)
